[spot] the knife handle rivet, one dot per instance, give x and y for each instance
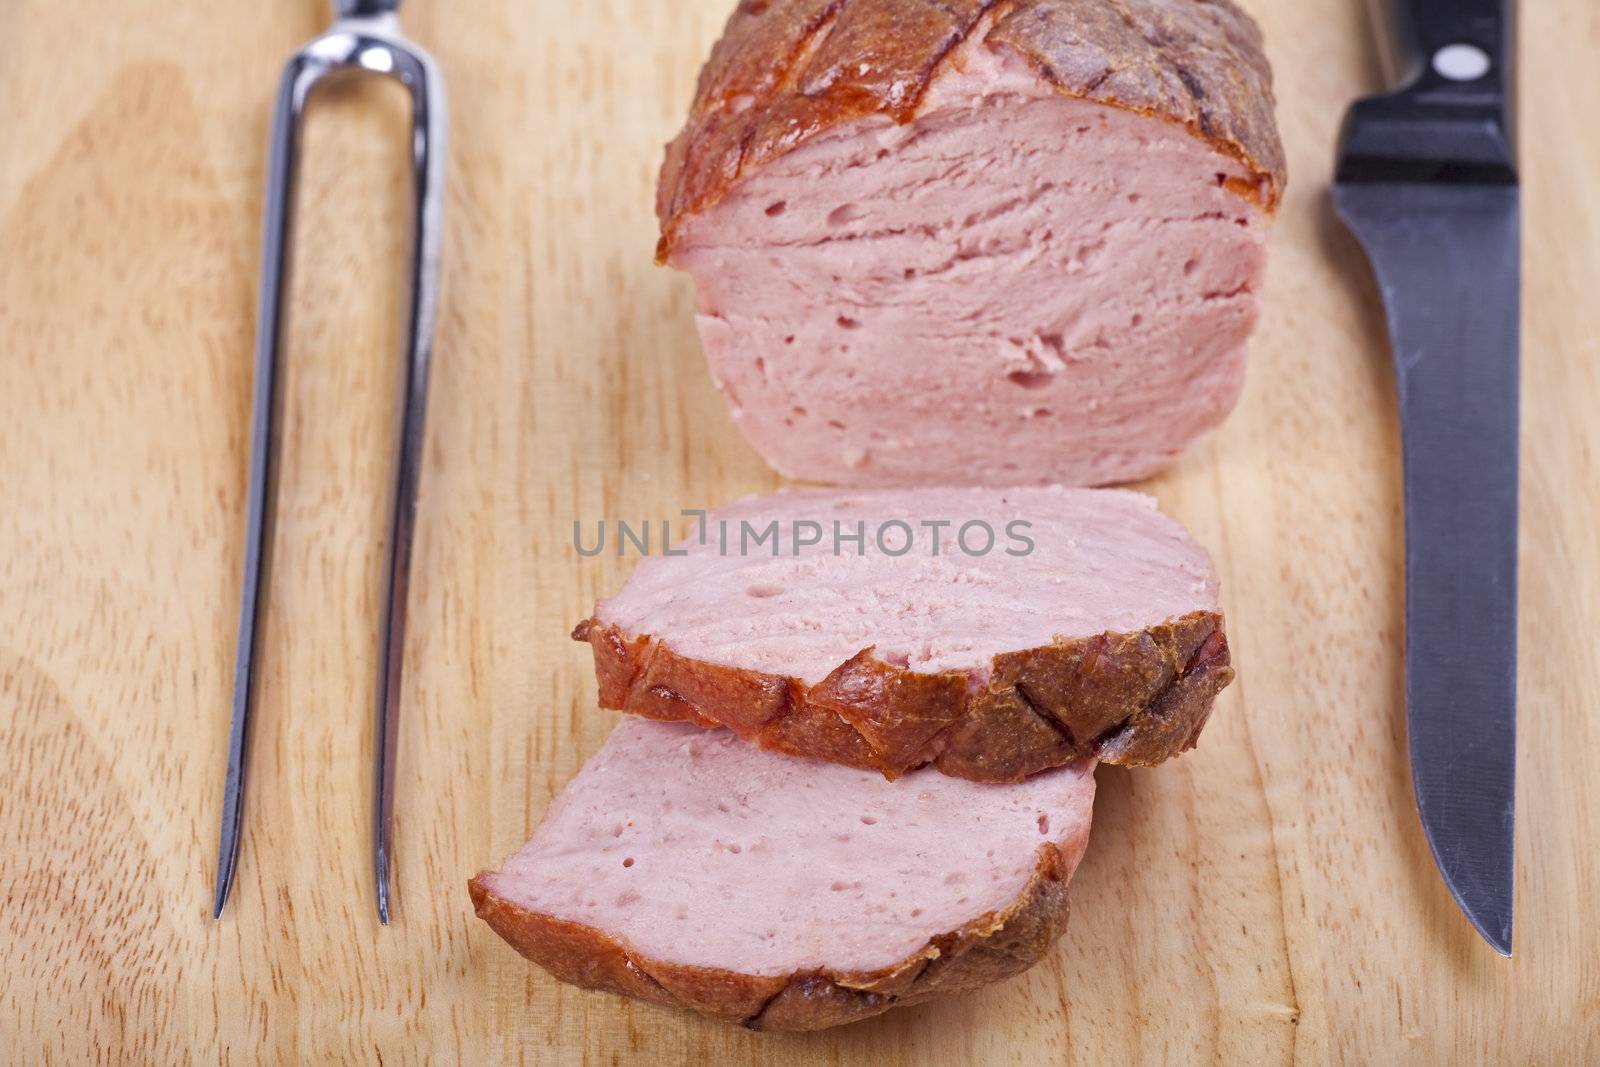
(1461, 62)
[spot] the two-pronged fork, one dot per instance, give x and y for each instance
(365, 38)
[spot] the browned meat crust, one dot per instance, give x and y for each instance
(991, 947)
(1128, 698)
(786, 70)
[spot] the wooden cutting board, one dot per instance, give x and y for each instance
(1266, 898)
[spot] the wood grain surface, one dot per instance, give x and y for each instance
(1268, 898)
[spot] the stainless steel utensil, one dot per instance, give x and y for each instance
(365, 38)
(1427, 180)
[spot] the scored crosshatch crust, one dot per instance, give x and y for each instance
(1129, 698)
(992, 946)
(785, 71)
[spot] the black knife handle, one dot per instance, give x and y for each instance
(1451, 117)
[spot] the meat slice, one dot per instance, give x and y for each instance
(685, 867)
(976, 243)
(992, 633)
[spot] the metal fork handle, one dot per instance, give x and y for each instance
(360, 42)
(348, 9)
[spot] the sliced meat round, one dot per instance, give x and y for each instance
(685, 867)
(976, 243)
(990, 632)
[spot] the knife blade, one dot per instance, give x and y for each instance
(1427, 182)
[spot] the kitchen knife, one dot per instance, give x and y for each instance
(1427, 181)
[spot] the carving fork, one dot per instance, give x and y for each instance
(365, 37)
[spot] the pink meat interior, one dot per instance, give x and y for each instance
(692, 847)
(1017, 287)
(1101, 559)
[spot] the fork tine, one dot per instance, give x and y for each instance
(428, 156)
(282, 155)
